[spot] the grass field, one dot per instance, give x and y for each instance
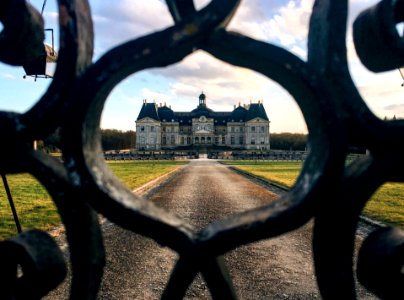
(136, 173)
(35, 208)
(386, 205)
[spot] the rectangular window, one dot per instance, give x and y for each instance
(172, 139)
(252, 128)
(262, 129)
(223, 140)
(252, 141)
(182, 140)
(152, 128)
(262, 140)
(216, 140)
(241, 140)
(232, 140)
(141, 128)
(241, 129)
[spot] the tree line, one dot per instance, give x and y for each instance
(113, 139)
(288, 141)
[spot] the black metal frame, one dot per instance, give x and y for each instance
(325, 191)
(37, 67)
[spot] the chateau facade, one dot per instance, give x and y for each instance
(244, 128)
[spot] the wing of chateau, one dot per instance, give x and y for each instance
(244, 128)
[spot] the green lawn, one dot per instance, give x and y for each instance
(284, 173)
(35, 208)
(136, 173)
(32, 202)
(386, 205)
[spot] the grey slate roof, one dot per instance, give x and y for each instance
(239, 114)
(256, 110)
(166, 114)
(149, 110)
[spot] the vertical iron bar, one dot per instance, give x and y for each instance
(10, 200)
(218, 279)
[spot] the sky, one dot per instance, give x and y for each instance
(283, 23)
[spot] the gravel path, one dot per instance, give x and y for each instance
(203, 191)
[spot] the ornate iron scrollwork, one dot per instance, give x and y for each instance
(335, 114)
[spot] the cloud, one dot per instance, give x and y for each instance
(222, 83)
(198, 66)
(8, 76)
(286, 25)
(154, 96)
(126, 19)
(283, 23)
(395, 107)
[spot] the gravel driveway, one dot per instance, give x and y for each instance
(204, 190)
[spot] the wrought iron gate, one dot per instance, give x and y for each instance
(82, 186)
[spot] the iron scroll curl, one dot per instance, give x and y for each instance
(335, 114)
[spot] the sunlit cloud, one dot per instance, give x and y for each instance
(283, 23)
(154, 96)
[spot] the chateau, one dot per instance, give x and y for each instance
(244, 128)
